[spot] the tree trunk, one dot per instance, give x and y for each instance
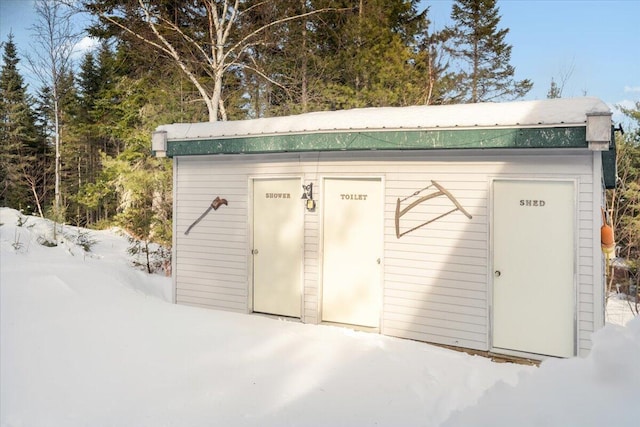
(304, 96)
(34, 191)
(57, 159)
(215, 100)
(146, 251)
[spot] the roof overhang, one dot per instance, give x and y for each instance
(555, 123)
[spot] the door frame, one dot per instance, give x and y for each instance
(575, 181)
(321, 222)
(250, 228)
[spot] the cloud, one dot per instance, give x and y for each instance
(626, 103)
(87, 44)
(628, 89)
(619, 117)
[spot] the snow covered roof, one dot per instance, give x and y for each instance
(564, 112)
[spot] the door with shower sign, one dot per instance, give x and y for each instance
(352, 250)
(533, 233)
(277, 251)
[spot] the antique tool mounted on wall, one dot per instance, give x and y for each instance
(441, 192)
(217, 202)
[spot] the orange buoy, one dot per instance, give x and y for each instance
(607, 240)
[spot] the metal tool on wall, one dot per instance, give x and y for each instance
(441, 192)
(217, 202)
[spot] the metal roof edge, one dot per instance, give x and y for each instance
(381, 130)
(443, 139)
(562, 112)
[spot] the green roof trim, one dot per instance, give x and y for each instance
(546, 137)
(609, 165)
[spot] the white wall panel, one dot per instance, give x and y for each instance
(435, 278)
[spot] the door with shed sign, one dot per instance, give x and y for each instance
(352, 251)
(534, 266)
(277, 251)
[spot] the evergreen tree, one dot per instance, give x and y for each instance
(624, 200)
(435, 80)
(11, 88)
(72, 156)
(364, 56)
(88, 85)
(276, 73)
(361, 53)
(44, 123)
(554, 90)
(487, 74)
(19, 142)
(124, 104)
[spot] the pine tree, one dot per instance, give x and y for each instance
(10, 88)
(625, 198)
(72, 155)
(369, 55)
(487, 74)
(277, 73)
(554, 90)
(19, 142)
(88, 84)
(44, 123)
(125, 99)
(434, 77)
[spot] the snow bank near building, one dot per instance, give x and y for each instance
(600, 390)
(85, 339)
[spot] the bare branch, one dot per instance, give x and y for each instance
(174, 54)
(222, 40)
(243, 42)
(136, 35)
(55, 41)
(267, 78)
(191, 55)
(187, 38)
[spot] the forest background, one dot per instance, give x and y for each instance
(77, 149)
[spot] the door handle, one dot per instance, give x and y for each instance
(378, 261)
(497, 273)
(254, 252)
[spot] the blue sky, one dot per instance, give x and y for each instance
(599, 40)
(595, 44)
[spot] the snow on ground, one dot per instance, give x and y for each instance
(619, 310)
(85, 339)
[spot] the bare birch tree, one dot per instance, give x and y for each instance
(203, 38)
(50, 60)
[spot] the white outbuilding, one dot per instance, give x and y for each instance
(476, 225)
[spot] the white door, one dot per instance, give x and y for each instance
(533, 266)
(277, 246)
(352, 251)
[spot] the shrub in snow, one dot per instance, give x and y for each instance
(17, 244)
(45, 241)
(21, 220)
(150, 256)
(81, 238)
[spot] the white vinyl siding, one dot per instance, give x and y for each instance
(435, 279)
(211, 262)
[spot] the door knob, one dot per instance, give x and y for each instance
(254, 252)
(497, 273)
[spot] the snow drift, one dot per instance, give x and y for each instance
(88, 340)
